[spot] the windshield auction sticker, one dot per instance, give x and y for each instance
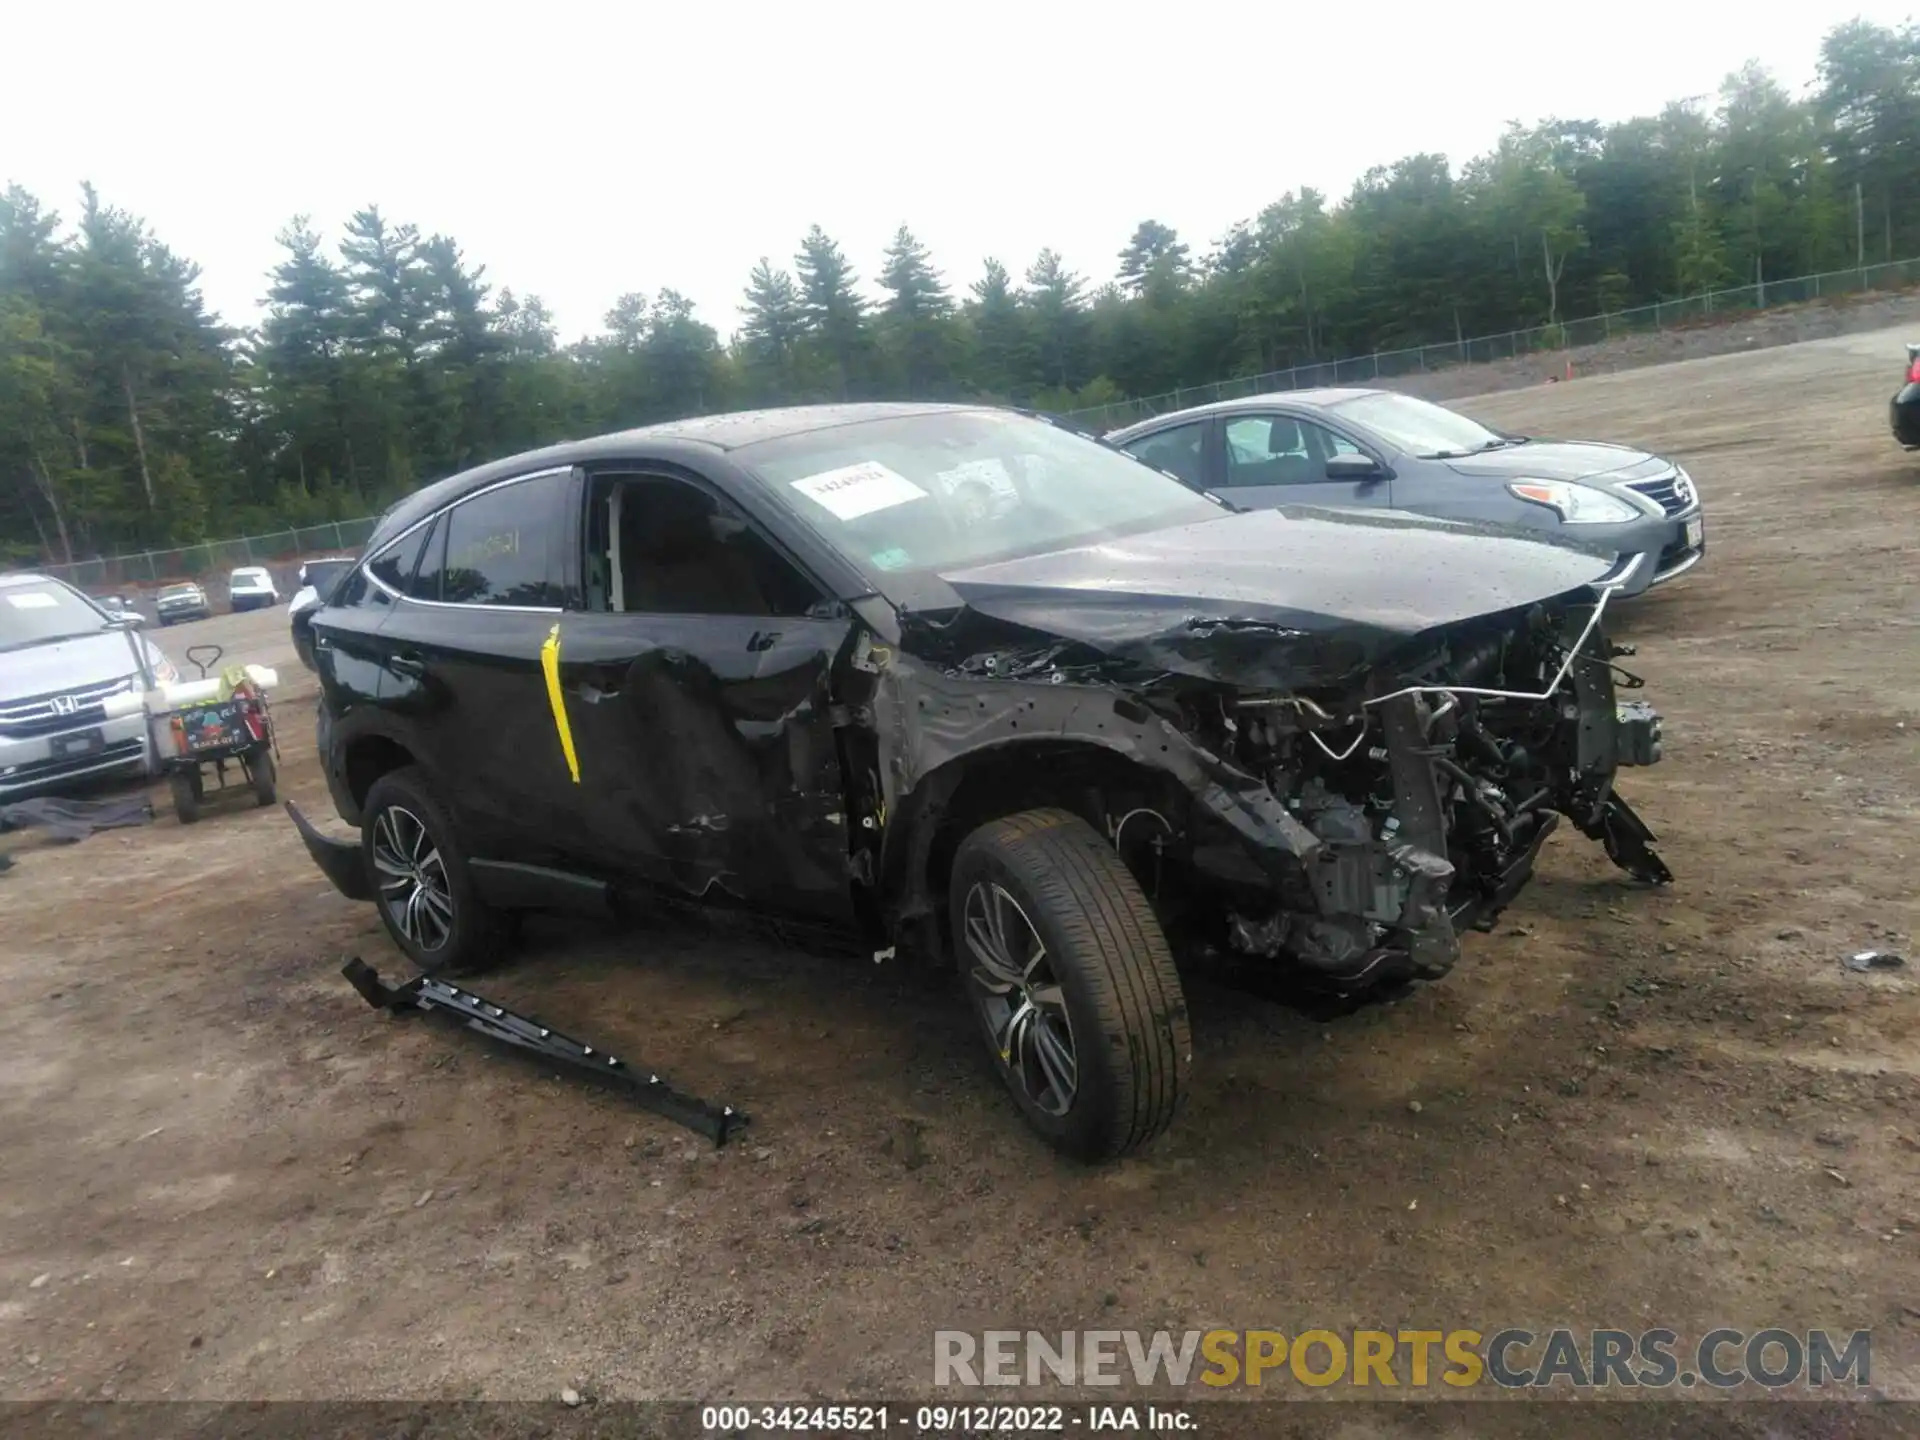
(856, 490)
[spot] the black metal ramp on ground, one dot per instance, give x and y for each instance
(475, 1012)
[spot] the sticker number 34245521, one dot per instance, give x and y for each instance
(856, 490)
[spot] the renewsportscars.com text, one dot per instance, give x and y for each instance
(1513, 1359)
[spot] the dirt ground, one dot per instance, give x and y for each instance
(223, 1176)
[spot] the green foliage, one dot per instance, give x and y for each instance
(130, 417)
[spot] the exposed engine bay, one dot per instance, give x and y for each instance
(1429, 799)
(1388, 813)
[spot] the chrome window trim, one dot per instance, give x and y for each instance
(366, 566)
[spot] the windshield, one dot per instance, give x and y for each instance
(966, 487)
(174, 592)
(42, 611)
(1419, 427)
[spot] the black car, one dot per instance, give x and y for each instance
(1905, 406)
(312, 586)
(974, 686)
(1378, 449)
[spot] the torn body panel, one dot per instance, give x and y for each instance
(707, 755)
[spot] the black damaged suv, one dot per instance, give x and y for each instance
(980, 688)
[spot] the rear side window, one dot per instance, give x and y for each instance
(502, 547)
(396, 566)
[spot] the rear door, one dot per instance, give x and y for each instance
(1279, 458)
(697, 679)
(461, 662)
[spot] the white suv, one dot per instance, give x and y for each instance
(251, 587)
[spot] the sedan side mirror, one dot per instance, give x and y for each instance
(132, 619)
(1354, 467)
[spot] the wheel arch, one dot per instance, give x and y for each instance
(363, 760)
(1083, 775)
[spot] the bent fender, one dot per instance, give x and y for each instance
(339, 860)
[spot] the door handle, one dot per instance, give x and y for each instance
(409, 665)
(763, 639)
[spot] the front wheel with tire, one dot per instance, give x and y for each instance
(264, 775)
(420, 881)
(1073, 982)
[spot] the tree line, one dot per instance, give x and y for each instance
(132, 417)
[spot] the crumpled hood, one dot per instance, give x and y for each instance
(1562, 460)
(1272, 599)
(68, 664)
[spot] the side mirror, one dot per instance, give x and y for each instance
(1354, 467)
(130, 618)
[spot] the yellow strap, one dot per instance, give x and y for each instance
(550, 663)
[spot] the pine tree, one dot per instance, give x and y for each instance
(1155, 263)
(917, 317)
(1057, 301)
(835, 313)
(1004, 357)
(775, 323)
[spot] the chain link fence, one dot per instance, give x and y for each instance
(1488, 349)
(281, 552)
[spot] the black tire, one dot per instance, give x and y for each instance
(468, 938)
(265, 776)
(185, 785)
(1105, 955)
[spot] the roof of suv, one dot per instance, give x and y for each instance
(709, 432)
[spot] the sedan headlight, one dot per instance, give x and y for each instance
(1577, 504)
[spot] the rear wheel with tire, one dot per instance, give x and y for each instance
(421, 885)
(264, 775)
(185, 785)
(1072, 980)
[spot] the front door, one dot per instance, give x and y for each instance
(1280, 459)
(697, 682)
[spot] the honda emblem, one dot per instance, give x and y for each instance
(65, 705)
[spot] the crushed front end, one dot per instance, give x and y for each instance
(1350, 825)
(1426, 796)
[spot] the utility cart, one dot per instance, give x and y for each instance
(201, 727)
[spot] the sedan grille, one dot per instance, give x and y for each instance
(1671, 493)
(50, 714)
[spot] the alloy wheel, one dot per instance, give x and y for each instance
(412, 878)
(1020, 998)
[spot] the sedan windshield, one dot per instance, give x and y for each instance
(1419, 427)
(951, 489)
(37, 613)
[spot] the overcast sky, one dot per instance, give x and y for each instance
(581, 150)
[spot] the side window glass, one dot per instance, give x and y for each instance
(1177, 451)
(1323, 444)
(1270, 450)
(500, 547)
(394, 566)
(661, 546)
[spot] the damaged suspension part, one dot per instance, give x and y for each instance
(436, 997)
